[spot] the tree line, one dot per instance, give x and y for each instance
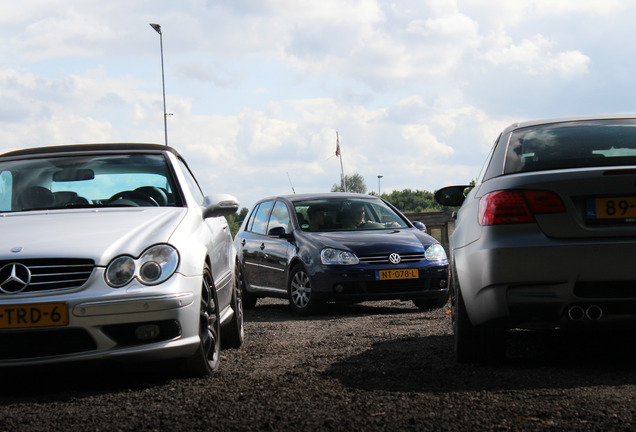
(407, 200)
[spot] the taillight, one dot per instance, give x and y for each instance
(517, 206)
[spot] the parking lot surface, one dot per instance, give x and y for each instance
(377, 366)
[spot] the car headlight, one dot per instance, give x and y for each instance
(435, 252)
(337, 256)
(120, 271)
(155, 265)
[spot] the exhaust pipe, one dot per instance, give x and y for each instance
(594, 312)
(576, 313)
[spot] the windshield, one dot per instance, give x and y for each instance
(339, 214)
(86, 181)
(572, 145)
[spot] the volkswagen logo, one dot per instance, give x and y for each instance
(14, 278)
(395, 258)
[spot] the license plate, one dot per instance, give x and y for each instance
(397, 274)
(611, 208)
(33, 315)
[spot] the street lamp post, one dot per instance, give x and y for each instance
(157, 28)
(379, 177)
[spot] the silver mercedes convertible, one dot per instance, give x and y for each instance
(111, 251)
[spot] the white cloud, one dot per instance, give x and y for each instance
(425, 144)
(418, 90)
(516, 13)
(535, 56)
(456, 25)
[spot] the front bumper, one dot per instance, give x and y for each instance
(134, 322)
(360, 283)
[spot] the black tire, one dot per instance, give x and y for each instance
(233, 333)
(473, 344)
(249, 300)
(299, 292)
(205, 361)
(428, 304)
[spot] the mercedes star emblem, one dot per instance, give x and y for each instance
(14, 278)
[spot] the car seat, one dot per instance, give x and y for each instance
(35, 197)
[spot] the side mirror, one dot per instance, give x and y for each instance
(219, 205)
(420, 226)
(452, 196)
(278, 231)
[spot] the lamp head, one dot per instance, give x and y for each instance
(157, 27)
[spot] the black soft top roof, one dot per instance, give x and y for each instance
(80, 148)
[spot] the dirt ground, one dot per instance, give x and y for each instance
(377, 366)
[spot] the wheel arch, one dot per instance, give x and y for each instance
(295, 261)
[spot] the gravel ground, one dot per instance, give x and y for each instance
(382, 366)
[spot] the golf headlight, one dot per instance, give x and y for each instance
(337, 256)
(155, 265)
(435, 252)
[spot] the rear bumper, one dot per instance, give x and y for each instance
(531, 281)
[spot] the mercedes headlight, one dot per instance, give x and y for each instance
(155, 265)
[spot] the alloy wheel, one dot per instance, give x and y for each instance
(300, 289)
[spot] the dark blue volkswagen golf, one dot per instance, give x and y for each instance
(314, 248)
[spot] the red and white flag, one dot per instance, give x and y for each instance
(337, 146)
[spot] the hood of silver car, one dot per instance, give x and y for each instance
(98, 234)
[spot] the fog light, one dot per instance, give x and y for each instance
(338, 288)
(147, 332)
(442, 283)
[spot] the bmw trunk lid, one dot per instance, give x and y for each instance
(599, 202)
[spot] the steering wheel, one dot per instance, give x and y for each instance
(136, 197)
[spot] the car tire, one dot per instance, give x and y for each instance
(249, 300)
(428, 304)
(233, 333)
(205, 360)
(299, 291)
(474, 344)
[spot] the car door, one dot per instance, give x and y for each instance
(215, 234)
(252, 246)
(275, 248)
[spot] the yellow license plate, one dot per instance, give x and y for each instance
(33, 315)
(616, 207)
(397, 274)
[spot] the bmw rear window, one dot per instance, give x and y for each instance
(577, 144)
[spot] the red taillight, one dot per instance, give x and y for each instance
(544, 202)
(517, 206)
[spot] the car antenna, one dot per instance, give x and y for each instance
(290, 183)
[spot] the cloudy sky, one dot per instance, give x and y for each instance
(417, 90)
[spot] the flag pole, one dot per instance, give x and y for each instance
(339, 154)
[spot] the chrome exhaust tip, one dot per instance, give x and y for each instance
(594, 312)
(576, 313)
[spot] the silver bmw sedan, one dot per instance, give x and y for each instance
(546, 237)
